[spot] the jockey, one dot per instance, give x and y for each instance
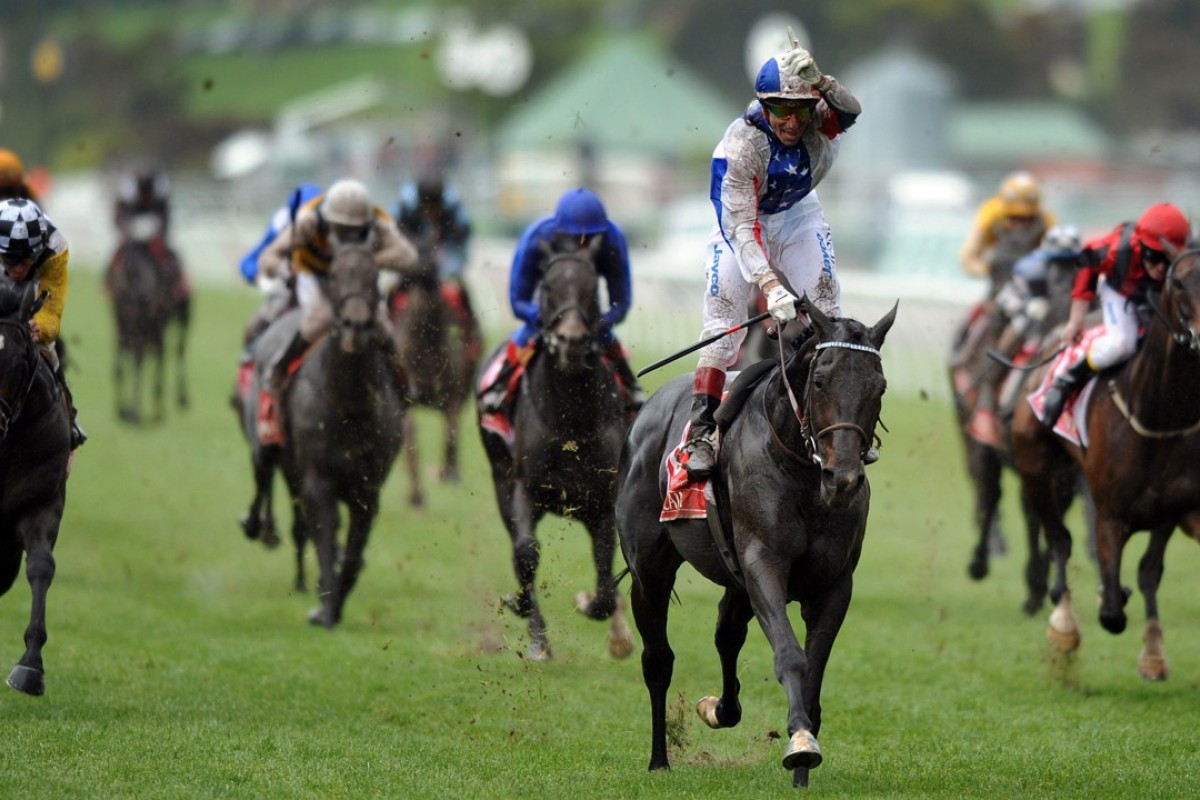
(577, 220)
(430, 214)
(342, 214)
(771, 230)
(1022, 305)
(33, 249)
(277, 293)
(143, 214)
(1007, 226)
(1118, 269)
(12, 177)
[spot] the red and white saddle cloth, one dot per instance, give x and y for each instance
(1071, 424)
(684, 498)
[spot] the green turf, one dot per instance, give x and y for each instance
(180, 664)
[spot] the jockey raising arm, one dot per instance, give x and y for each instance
(1118, 269)
(771, 230)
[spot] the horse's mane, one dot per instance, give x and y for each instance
(11, 298)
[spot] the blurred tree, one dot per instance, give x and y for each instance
(1158, 85)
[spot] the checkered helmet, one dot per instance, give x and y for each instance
(24, 229)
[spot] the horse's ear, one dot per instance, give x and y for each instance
(879, 330)
(820, 321)
(594, 246)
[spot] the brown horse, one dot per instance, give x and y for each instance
(793, 499)
(972, 358)
(440, 358)
(34, 459)
(1141, 463)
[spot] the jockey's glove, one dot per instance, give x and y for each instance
(800, 63)
(781, 303)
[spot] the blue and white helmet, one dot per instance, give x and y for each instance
(1062, 241)
(24, 229)
(775, 81)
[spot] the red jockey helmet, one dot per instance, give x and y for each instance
(1162, 223)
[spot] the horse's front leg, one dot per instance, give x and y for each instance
(181, 383)
(1111, 536)
(1037, 561)
(521, 520)
(160, 379)
(362, 510)
(321, 513)
(450, 471)
(984, 467)
(412, 455)
(605, 603)
(733, 619)
(650, 598)
(823, 620)
(39, 532)
(766, 582)
(1152, 663)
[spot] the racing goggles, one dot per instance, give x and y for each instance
(782, 110)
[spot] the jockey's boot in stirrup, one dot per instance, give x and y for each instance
(270, 419)
(78, 436)
(636, 398)
(701, 447)
(1063, 387)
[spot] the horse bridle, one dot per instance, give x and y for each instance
(1188, 338)
(548, 335)
(10, 411)
(804, 415)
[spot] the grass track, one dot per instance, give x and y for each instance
(180, 665)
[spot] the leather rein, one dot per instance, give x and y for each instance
(804, 415)
(10, 411)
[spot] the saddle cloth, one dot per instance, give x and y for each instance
(1072, 425)
(684, 498)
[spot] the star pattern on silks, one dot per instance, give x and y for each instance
(787, 178)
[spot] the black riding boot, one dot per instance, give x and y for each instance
(620, 364)
(701, 444)
(1063, 387)
(78, 437)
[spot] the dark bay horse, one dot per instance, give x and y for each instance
(343, 413)
(569, 424)
(34, 460)
(145, 305)
(986, 462)
(1141, 463)
(440, 358)
(793, 498)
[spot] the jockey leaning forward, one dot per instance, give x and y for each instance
(343, 214)
(1022, 310)
(1118, 269)
(578, 221)
(771, 230)
(33, 249)
(276, 291)
(1008, 225)
(142, 214)
(432, 216)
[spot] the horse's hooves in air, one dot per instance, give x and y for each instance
(586, 603)
(978, 569)
(249, 526)
(28, 680)
(320, 616)
(416, 500)
(269, 537)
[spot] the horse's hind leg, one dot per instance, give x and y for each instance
(601, 603)
(1037, 563)
(158, 386)
(733, 619)
(183, 312)
(39, 533)
(362, 515)
(1152, 663)
(450, 471)
(985, 469)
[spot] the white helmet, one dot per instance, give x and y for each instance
(347, 203)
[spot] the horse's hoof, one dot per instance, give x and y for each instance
(249, 526)
(28, 680)
(269, 538)
(416, 500)
(802, 751)
(1152, 667)
(320, 616)
(587, 604)
(1114, 623)
(706, 709)
(451, 475)
(517, 604)
(978, 570)
(538, 651)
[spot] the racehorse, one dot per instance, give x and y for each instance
(34, 460)
(1141, 463)
(976, 337)
(568, 426)
(343, 413)
(440, 359)
(144, 306)
(793, 499)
